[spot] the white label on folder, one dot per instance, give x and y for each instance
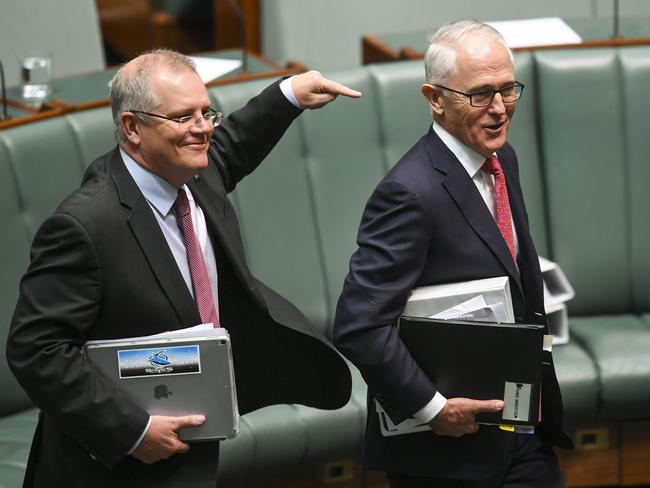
(138, 363)
(517, 398)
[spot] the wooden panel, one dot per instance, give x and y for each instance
(373, 479)
(126, 26)
(375, 51)
(596, 459)
(227, 24)
(635, 453)
(346, 473)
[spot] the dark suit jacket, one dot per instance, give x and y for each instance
(101, 268)
(426, 224)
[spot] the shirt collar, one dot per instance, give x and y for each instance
(469, 159)
(159, 193)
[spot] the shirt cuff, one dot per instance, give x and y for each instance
(287, 91)
(137, 443)
(427, 413)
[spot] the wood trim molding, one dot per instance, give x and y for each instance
(375, 51)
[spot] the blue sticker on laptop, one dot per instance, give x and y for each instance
(139, 363)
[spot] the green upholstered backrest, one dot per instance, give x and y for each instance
(14, 252)
(635, 71)
(524, 137)
(40, 164)
(404, 115)
(585, 121)
(275, 207)
(345, 161)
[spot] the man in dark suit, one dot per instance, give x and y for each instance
(451, 210)
(117, 260)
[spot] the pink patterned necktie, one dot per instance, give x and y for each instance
(198, 270)
(504, 218)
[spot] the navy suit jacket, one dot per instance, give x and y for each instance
(427, 224)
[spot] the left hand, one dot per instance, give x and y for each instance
(313, 90)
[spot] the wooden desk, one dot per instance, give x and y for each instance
(594, 32)
(90, 90)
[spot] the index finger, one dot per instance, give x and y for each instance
(335, 88)
(487, 405)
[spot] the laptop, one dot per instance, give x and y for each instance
(178, 375)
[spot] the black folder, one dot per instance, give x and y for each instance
(481, 360)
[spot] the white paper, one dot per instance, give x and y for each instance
(536, 32)
(212, 68)
(548, 342)
(474, 309)
(408, 426)
(201, 330)
(430, 300)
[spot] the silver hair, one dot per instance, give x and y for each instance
(440, 57)
(130, 90)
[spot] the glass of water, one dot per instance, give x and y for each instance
(36, 74)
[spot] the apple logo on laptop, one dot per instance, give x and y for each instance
(161, 391)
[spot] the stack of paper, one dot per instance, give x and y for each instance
(485, 300)
(388, 428)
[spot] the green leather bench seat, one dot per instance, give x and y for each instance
(579, 132)
(620, 346)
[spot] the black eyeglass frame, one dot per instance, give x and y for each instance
(210, 114)
(516, 85)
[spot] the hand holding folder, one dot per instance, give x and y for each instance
(481, 361)
(458, 417)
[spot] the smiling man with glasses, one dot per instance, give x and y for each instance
(451, 210)
(150, 243)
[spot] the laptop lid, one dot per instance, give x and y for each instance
(180, 376)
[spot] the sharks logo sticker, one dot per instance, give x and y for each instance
(139, 363)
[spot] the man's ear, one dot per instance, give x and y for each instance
(130, 127)
(433, 95)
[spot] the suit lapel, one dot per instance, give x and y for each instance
(147, 232)
(463, 191)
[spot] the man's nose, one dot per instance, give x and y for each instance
(497, 105)
(202, 126)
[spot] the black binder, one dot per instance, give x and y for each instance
(481, 360)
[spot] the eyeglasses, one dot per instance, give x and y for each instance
(189, 121)
(483, 98)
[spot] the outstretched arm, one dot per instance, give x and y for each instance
(313, 90)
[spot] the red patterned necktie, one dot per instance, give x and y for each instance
(198, 270)
(503, 217)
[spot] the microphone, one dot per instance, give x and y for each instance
(4, 93)
(244, 38)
